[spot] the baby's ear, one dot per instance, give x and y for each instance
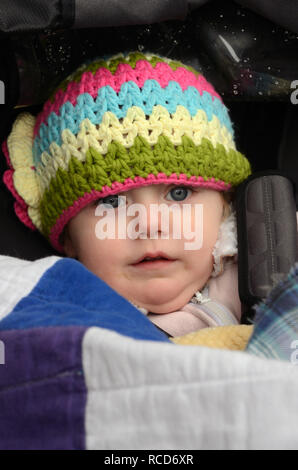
(67, 243)
(227, 209)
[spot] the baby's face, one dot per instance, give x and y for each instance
(158, 286)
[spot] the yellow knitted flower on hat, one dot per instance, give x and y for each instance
(22, 176)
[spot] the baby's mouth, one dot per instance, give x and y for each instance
(154, 262)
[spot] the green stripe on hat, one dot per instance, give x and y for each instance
(139, 160)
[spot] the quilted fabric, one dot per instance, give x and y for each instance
(81, 368)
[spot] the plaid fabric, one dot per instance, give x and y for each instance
(275, 332)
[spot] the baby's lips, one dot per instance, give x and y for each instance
(153, 256)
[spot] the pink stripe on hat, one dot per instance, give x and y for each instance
(91, 83)
(6, 153)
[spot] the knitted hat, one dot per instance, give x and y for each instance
(115, 125)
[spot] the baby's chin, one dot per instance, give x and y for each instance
(163, 301)
(161, 294)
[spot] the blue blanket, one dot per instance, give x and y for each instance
(43, 390)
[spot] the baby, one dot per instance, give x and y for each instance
(164, 284)
(137, 131)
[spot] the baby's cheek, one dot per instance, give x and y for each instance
(211, 232)
(104, 256)
(204, 254)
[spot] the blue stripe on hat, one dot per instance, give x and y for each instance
(130, 94)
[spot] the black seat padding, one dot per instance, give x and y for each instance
(267, 233)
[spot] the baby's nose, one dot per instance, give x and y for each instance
(151, 220)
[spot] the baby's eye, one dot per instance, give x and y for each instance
(179, 193)
(111, 201)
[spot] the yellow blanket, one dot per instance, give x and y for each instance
(222, 337)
